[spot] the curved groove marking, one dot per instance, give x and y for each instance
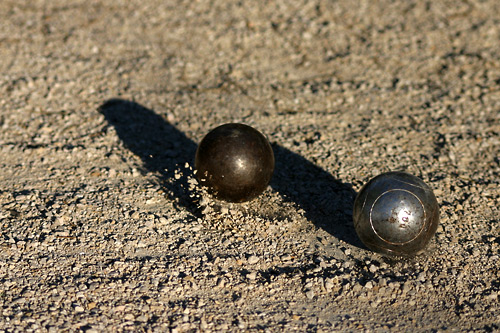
(360, 212)
(417, 186)
(364, 202)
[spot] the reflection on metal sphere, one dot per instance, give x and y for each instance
(396, 213)
(235, 162)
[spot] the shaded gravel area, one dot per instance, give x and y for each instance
(102, 104)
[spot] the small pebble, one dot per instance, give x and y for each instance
(253, 260)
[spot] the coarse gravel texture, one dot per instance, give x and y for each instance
(102, 103)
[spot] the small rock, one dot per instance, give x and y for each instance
(286, 257)
(357, 287)
(142, 318)
(253, 260)
(129, 317)
(79, 309)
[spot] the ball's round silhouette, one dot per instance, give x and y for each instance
(396, 213)
(235, 162)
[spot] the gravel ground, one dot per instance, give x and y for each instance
(102, 104)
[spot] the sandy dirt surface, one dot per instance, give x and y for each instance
(102, 104)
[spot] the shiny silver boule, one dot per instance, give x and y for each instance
(396, 213)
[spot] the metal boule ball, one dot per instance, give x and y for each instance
(235, 162)
(396, 213)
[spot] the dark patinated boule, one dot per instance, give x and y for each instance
(235, 162)
(396, 213)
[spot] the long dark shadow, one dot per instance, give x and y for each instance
(162, 148)
(326, 201)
